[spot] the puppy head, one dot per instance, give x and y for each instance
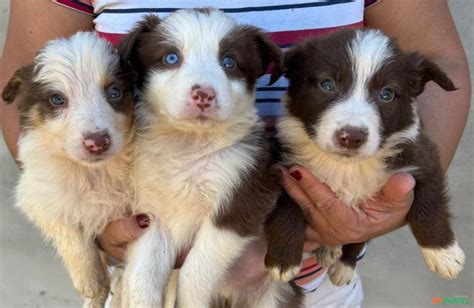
(354, 90)
(75, 98)
(200, 67)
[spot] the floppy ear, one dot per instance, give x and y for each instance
(269, 53)
(127, 49)
(425, 70)
(15, 84)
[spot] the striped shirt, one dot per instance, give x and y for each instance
(285, 21)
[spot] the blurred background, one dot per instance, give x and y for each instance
(393, 272)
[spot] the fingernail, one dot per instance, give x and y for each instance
(143, 220)
(296, 174)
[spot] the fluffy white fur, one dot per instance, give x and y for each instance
(447, 262)
(69, 198)
(187, 168)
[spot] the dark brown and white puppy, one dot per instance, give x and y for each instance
(202, 164)
(351, 119)
(76, 129)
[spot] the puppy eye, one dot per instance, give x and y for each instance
(228, 62)
(327, 85)
(171, 59)
(57, 100)
(114, 92)
(387, 94)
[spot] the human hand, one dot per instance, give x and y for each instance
(332, 222)
(119, 233)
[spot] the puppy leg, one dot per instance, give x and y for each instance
(151, 260)
(342, 271)
(284, 230)
(429, 219)
(206, 264)
(328, 255)
(81, 258)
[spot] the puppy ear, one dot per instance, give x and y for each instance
(425, 70)
(16, 82)
(127, 49)
(269, 53)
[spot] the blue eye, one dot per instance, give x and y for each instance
(228, 62)
(171, 58)
(114, 92)
(57, 100)
(387, 94)
(327, 85)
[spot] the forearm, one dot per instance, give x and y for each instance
(444, 114)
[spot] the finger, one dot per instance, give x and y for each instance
(310, 246)
(399, 188)
(311, 235)
(293, 190)
(121, 231)
(118, 252)
(319, 193)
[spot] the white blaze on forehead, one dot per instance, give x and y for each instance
(76, 64)
(368, 51)
(197, 31)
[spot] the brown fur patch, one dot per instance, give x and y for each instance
(429, 216)
(253, 200)
(284, 230)
(34, 98)
(252, 51)
(309, 63)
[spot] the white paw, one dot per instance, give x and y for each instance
(447, 262)
(327, 255)
(284, 275)
(340, 273)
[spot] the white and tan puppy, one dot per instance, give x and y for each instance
(202, 165)
(76, 129)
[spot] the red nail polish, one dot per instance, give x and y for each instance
(296, 175)
(143, 220)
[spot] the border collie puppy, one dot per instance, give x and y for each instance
(202, 165)
(76, 128)
(351, 119)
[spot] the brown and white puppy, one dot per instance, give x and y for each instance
(202, 164)
(76, 128)
(351, 119)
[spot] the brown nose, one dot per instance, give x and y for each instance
(351, 137)
(96, 143)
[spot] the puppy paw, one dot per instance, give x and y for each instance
(447, 262)
(327, 255)
(340, 273)
(91, 284)
(286, 274)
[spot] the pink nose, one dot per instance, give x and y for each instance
(96, 143)
(203, 97)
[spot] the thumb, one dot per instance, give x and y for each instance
(399, 188)
(124, 230)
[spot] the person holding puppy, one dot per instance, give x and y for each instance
(419, 25)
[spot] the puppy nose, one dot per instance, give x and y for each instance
(203, 97)
(96, 143)
(351, 137)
